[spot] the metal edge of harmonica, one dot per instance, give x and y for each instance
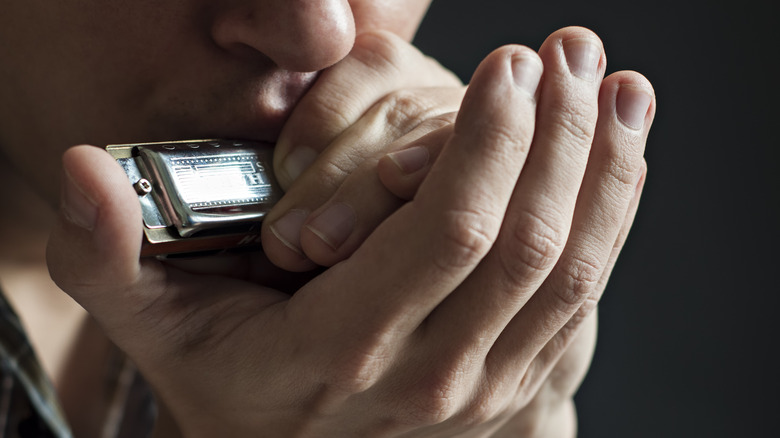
(160, 238)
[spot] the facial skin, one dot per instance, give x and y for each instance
(109, 72)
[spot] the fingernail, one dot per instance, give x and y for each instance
(582, 56)
(298, 161)
(77, 207)
(410, 160)
(631, 104)
(334, 225)
(288, 229)
(527, 72)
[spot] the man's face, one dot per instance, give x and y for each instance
(108, 71)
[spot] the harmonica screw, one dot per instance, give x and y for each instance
(143, 187)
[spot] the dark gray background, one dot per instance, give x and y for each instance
(688, 333)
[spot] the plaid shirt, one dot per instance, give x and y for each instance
(28, 403)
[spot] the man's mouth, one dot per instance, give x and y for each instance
(255, 111)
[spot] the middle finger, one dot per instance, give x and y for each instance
(541, 209)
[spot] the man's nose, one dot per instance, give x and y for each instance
(297, 35)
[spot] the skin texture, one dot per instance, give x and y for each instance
(466, 240)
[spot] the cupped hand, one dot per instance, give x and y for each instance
(383, 96)
(456, 316)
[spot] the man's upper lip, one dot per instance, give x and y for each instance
(271, 109)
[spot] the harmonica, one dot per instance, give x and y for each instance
(200, 196)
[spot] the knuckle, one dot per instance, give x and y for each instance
(502, 134)
(466, 237)
(483, 409)
(537, 242)
(576, 126)
(527, 386)
(404, 110)
(387, 54)
(571, 329)
(445, 119)
(339, 166)
(331, 109)
(506, 141)
(378, 50)
(357, 369)
(567, 334)
(80, 276)
(331, 170)
(581, 275)
(438, 397)
(624, 164)
(438, 121)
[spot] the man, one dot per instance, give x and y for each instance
(465, 257)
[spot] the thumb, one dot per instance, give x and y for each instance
(94, 255)
(93, 251)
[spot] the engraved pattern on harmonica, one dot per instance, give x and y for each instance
(216, 180)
